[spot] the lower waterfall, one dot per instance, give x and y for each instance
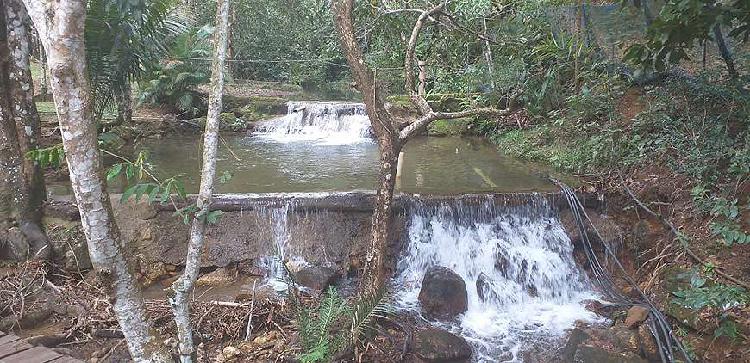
(524, 288)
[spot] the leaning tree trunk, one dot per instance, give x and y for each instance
(60, 25)
(386, 133)
(390, 136)
(726, 54)
(180, 295)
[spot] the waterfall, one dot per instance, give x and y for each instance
(331, 123)
(522, 282)
(278, 219)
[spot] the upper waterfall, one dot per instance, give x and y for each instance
(333, 123)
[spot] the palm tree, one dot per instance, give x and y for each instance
(124, 37)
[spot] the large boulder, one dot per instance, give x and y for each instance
(316, 278)
(443, 294)
(439, 346)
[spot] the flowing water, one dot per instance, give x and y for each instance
(524, 288)
(321, 123)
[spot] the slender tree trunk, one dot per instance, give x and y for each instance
(60, 25)
(390, 136)
(488, 54)
(124, 101)
(44, 81)
(376, 271)
(726, 54)
(374, 274)
(181, 289)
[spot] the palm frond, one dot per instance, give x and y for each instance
(365, 313)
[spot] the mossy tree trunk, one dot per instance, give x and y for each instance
(60, 25)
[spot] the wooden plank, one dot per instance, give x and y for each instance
(33, 355)
(13, 347)
(7, 339)
(66, 359)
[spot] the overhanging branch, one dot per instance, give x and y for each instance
(422, 122)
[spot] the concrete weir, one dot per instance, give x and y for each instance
(331, 229)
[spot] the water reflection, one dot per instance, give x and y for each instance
(431, 165)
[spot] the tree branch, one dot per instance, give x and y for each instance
(422, 122)
(363, 76)
(414, 96)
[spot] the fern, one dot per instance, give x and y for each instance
(322, 332)
(365, 312)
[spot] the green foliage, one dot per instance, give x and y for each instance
(683, 23)
(52, 156)
(726, 215)
(322, 332)
(123, 39)
(140, 181)
(337, 324)
(174, 81)
(701, 295)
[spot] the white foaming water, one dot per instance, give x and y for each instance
(524, 288)
(326, 123)
(276, 274)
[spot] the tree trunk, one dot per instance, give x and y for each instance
(726, 54)
(488, 54)
(28, 125)
(60, 25)
(22, 119)
(11, 186)
(376, 271)
(44, 81)
(124, 101)
(389, 135)
(389, 145)
(181, 289)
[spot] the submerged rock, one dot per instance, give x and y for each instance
(485, 287)
(317, 278)
(443, 294)
(440, 346)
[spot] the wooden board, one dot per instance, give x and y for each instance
(33, 355)
(13, 347)
(15, 350)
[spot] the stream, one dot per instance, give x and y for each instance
(524, 288)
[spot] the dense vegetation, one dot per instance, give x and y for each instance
(629, 96)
